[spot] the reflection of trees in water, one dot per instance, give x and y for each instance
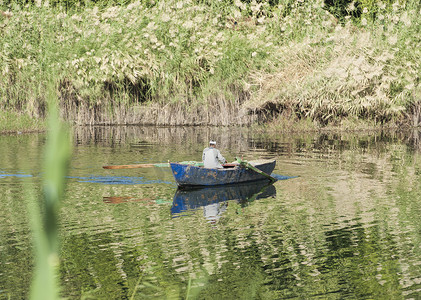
(415, 139)
(371, 141)
(346, 262)
(243, 139)
(138, 135)
(293, 253)
(15, 257)
(354, 235)
(268, 252)
(271, 249)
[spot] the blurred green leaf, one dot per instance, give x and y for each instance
(44, 222)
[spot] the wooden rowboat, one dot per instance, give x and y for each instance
(188, 175)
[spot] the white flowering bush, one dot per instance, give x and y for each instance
(370, 70)
(294, 54)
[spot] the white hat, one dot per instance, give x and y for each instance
(212, 142)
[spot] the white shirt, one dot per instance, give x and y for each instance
(212, 158)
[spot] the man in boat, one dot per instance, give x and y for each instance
(212, 158)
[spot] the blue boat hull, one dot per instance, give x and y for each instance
(189, 175)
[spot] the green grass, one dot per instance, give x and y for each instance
(296, 55)
(19, 122)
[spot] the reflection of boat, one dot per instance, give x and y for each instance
(206, 197)
(191, 175)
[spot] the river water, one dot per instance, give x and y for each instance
(343, 221)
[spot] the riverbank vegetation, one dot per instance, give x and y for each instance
(14, 122)
(189, 62)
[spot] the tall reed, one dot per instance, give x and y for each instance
(44, 215)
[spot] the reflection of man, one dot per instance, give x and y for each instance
(213, 212)
(211, 157)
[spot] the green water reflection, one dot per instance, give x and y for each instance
(346, 227)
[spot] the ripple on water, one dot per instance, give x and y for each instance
(126, 180)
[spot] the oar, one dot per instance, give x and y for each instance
(136, 166)
(159, 165)
(251, 167)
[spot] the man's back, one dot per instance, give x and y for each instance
(212, 158)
